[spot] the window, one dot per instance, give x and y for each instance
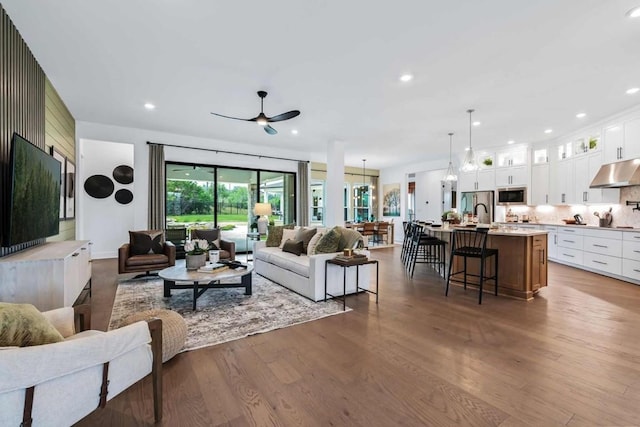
(203, 196)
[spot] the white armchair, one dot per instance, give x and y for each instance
(61, 383)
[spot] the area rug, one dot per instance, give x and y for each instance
(222, 314)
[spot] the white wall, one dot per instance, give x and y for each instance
(399, 174)
(429, 194)
(104, 243)
(104, 221)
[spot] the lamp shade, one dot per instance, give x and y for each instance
(262, 209)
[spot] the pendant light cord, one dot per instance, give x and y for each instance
(470, 126)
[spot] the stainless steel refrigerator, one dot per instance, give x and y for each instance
(480, 203)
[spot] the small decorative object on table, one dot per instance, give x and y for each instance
(196, 255)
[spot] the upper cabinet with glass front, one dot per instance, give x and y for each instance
(516, 156)
(540, 155)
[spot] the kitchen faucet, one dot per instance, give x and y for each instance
(475, 208)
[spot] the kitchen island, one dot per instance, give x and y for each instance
(522, 260)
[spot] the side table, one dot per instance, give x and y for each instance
(251, 236)
(345, 265)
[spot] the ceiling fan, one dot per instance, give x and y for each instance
(262, 119)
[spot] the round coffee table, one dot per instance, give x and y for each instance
(201, 282)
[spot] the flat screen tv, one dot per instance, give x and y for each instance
(34, 201)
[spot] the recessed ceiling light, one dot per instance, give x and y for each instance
(406, 78)
(294, 131)
(466, 149)
(581, 115)
(548, 130)
(149, 106)
(477, 123)
(186, 173)
(511, 141)
(633, 13)
(633, 90)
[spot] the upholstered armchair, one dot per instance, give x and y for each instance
(61, 383)
(227, 248)
(146, 251)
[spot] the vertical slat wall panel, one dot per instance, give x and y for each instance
(22, 100)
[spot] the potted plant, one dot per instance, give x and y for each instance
(196, 253)
(593, 143)
(451, 216)
(488, 161)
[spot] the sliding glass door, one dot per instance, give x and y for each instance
(203, 196)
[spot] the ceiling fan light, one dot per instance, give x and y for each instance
(262, 121)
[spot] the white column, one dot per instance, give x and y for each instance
(334, 206)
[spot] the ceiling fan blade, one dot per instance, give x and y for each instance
(271, 131)
(234, 118)
(284, 116)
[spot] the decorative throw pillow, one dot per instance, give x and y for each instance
(286, 235)
(311, 247)
(350, 239)
(23, 325)
(274, 235)
(293, 247)
(146, 242)
(305, 235)
(211, 236)
(329, 242)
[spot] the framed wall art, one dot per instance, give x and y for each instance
(59, 157)
(70, 190)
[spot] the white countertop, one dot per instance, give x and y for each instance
(589, 226)
(494, 232)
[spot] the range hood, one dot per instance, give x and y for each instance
(619, 174)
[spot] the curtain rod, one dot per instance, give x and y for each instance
(227, 152)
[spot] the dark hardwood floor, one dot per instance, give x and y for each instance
(569, 357)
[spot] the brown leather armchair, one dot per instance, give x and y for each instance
(227, 248)
(146, 251)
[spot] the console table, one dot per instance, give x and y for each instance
(48, 276)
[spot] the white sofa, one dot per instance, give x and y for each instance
(304, 274)
(67, 376)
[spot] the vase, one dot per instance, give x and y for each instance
(194, 262)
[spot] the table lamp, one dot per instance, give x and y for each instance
(262, 210)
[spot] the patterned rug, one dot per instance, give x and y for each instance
(222, 314)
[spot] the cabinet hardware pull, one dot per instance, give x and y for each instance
(600, 262)
(638, 252)
(636, 270)
(600, 246)
(568, 230)
(83, 249)
(570, 256)
(555, 239)
(75, 254)
(568, 241)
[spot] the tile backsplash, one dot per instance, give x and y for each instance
(623, 215)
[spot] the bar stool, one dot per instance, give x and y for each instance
(472, 244)
(426, 249)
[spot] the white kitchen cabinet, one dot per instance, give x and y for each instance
(622, 141)
(48, 276)
(480, 180)
(585, 169)
(562, 182)
(511, 176)
(539, 189)
(516, 156)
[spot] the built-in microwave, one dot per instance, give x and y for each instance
(512, 196)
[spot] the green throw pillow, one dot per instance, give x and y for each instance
(23, 325)
(305, 235)
(350, 239)
(274, 235)
(329, 243)
(293, 247)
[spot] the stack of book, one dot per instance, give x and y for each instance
(351, 258)
(213, 268)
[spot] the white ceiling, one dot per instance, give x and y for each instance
(523, 65)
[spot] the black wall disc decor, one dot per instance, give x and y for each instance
(99, 186)
(123, 174)
(124, 196)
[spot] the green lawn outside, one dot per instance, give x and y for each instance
(242, 218)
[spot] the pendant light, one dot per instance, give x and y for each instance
(469, 164)
(451, 173)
